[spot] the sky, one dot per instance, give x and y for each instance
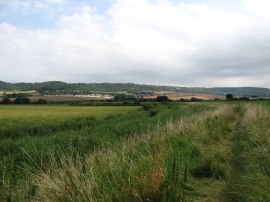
(196, 43)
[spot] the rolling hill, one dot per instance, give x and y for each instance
(58, 86)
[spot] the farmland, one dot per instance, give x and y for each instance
(30, 92)
(16, 115)
(178, 96)
(208, 151)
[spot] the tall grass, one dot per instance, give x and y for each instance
(158, 165)
(38, 150)
(211, 155)
(35, 120)
(250, 179)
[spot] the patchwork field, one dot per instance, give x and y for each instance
(178, 96)
(62, 98)
(216, 151)
(31, 92)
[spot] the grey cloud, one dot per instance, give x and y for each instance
(143, 43)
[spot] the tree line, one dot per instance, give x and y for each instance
(22, 100)
(63, 87)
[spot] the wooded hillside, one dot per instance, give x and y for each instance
(58, 86)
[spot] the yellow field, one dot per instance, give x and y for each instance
(178, 96)
(32, 92)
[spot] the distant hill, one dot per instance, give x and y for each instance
(7, 86)
(58, 86)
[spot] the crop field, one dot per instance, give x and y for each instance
(178, 96)
(31, 92)
(207, 151)
(62, 98)
(16, 115)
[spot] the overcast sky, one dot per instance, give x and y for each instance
(203, 43)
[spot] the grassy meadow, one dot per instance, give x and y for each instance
(16, 115)
(207, 151)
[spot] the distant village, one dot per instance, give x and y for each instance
(104, 96)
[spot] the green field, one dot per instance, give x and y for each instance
(14, 115)
(211, 151)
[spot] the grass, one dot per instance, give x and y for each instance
(190, 152)
(32, 142)
(15, 115)
(249, 179)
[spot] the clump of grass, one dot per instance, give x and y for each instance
(250, 180)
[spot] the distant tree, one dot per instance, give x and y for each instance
(162, 98)
(229, 96)
(120, 97)
(17, 95)
(22, 100)
(244, 98)
(41, 101)
(124, 97)
(194, 99)
(6, 101)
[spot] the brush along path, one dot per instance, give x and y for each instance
(249, 179)
(193, 159)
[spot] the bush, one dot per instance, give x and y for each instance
(244, 98)
(194, 99)
(124, 97)
(229, 96)
(22, 100)
(41, 101)
(6, 101)
(163, 98)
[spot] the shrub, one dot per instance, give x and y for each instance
(162, 98)
(244, 98)
(22, 100)
(229, 96)
(41, 101)
(6, 101)
(194, 99)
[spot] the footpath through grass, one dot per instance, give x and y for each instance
(191, 152)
